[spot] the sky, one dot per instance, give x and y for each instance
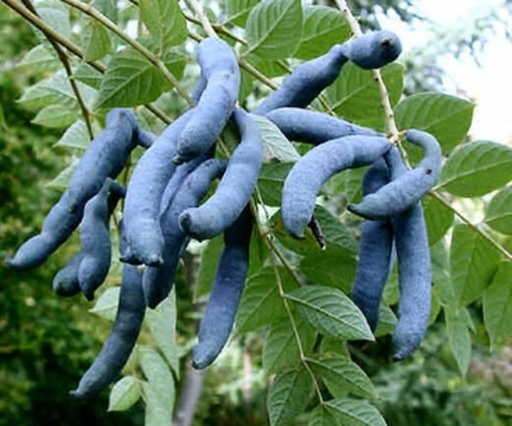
(489, 85)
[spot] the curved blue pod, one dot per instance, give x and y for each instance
(105, 157)
(226, 292)
(306, 82)
(406, 190)
(179, 176)
(95, 239)
(414, 270)
(120, 343)
(220, 71)
(302, 125)
(375, 248)
(65, 282)
(306, 177)
(144, 194)
(373, 49)
(235, 188)
(158, 280)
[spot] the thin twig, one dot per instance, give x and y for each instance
(243, 64)
(63, 57)
(474, 227)
(392, 129)
(150, 56)
(201, 15)
(71, 47)
(249, 68)
(295, 328)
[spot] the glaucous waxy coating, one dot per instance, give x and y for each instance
(314, 127)
(95, 238)
(307, 176)
(226, 292)
(373, 49)
(375, 248)
(120, 343)
(235, 188)
(158, 280)
(104, 157)
(144, 194)
(306, 82)
(414, 270)
(403, 192)
(216, 99)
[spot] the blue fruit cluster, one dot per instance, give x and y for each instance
(163, 205)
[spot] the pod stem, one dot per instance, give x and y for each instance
(316, 229)
(393, 133)
(201, 15)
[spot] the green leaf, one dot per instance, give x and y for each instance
(497, 303)
(98, 43)
(39, 59)
(335, 232)
(88, 75)
(158, 374)
(261, 304)
(343, 374)
(275, 144)
(355, 412)
(477, 168)
(164, 21)
(355, 96)
(56, 15)
(333, 267)
(438, 217)
(106, 305)
(271, 180)
(321, 416)
(288, 396)
(238, 10)
(56, 90)
(124, 394)
(157, 412)
(353, 180)
(458, 336)
(323, 28)
(269, 68)
(446, 117)
(331, 312)
(162, 325)
(208, 267)
(107, 8)
(130, 80)
(274, 28)
(387, 321)
(55, 116)
(63, 178)
(281, 349)
(498, 214)
(76, 136)
(473, 261)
